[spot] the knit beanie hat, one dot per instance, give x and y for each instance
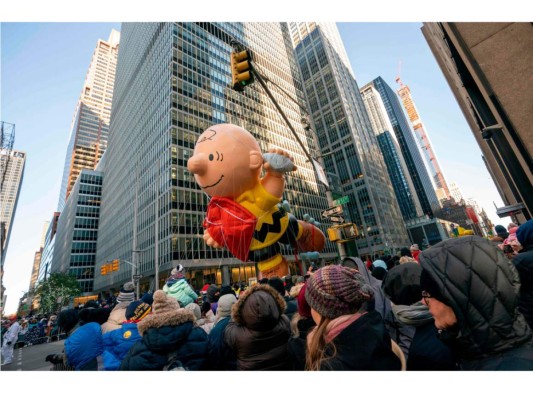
(402, 284)
(303, 307)
(164, 304)
(224, 305)
(126, 293)
(195, 308)
(336, 290)
(137, 310)
(177, 269)
(380, 264)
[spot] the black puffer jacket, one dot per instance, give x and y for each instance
(481, 286)
(259, 330)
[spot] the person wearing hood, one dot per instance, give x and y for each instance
(347, 337)
(221, 357)
(168, 336)
(118, 342)
(177, 287)
(212, 295)
(118, 313)
(380, 270)
(203, 323)
(523, 262)
(472, 291)
(417, 332)
(259, 330)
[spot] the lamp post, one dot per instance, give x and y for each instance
(134, 270)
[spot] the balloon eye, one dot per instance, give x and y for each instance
(211, 157)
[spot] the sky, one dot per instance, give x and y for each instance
(43, 70)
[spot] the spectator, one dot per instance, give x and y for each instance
(118, 314)
(221, 357)
(380, 270)
(471, 290)
(177, 287)
(523, 262)
(415, 251)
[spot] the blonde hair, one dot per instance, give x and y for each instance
(406, 259)
(316, 347)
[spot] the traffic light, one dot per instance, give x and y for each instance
(103, 269)
(241, 74)
(350, 231)
(334, 234)
(114, 265)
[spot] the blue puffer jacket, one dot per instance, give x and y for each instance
(181, 291)
(84, 345)
(163, 335)
(117, 343)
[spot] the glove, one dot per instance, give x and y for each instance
(9, 343)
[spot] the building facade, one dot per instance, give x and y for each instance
(173, 82)
(486, 66)
(424, 144)
(13, 163)
(392, 155)
(409, 148)
(90, 124)
(77, 231)
(345, 137)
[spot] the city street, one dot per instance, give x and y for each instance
(32, 358)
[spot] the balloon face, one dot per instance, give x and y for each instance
(226, 161)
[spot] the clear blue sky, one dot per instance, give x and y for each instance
(44, 67)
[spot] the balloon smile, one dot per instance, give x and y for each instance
(214, 184)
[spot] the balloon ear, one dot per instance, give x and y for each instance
(256, 159)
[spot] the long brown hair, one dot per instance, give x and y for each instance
(316, 348)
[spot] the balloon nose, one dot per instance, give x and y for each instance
(197, 164)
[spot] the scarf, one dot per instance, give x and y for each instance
(336, 326)
(416, 314)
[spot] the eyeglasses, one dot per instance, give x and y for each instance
(425, 297)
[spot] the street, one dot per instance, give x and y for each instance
(32, 358)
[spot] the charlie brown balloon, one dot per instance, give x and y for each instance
(243, 214)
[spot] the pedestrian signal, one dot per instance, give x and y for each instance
(241, 74)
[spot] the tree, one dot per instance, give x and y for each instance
(56, 291)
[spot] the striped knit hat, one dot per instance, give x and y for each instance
(336, 290)
(126, 293)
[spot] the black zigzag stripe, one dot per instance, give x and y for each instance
(266, 228)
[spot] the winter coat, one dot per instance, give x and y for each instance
(220, 357)
(259, 330)
(523, 262)
(116, 318)
(181, 291)
(297, 344)
(83, 347)
(292, 306)
(162, 337)
(481, 286)
(117, 343)
(364, 345)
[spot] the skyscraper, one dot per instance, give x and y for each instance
(398, 172)
(487, 66)
(455, 192)
(422, 138)
(13, 162)
(413, 159)
(173, 82)
(90, 125)
(346, 138)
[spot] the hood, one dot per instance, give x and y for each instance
(157, 320)
(482, 287)
(259, 309)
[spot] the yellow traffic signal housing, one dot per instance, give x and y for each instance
(103, 269)
(241, 74)
(115, 265)
(350, 231)
(334, 234)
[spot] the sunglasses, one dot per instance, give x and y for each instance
(425, 297)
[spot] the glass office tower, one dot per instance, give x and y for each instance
(173, 81)
(398, 173)
(90, 124)
(415, 165)
(345, 136)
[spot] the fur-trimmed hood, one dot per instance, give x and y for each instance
(157, 320)
(260, 308)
